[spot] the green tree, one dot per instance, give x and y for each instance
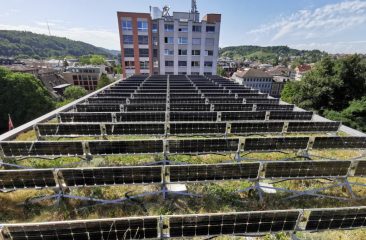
(23, 96)
(353, 116)
(103, 81)
(74, 92)
(92, 59)
(221, 71)
(118, 69)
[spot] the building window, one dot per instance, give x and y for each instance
(126, 25)
(210, 41)
(129, 64)
(208, 73)
(144, 52)
(74, 77)
(195, 64)
(182, 52)
(129, 52)
(155, 41)
(154, 28)
(208, 64)
(144, 64)
(195, 73)
(182, 40)
(144, 40)
(183, 29)
(142, 26)
(196, 52)
(182, 64)
(210, 29)
(155, 53)
(196, 41)
(182, 73)
(127, 39)
(168, 52)
(208, 53)
(169, 40)
(169, 27)
(169, 63)
(196, 28)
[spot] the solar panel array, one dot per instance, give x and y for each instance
(215, 108)
(188, 226)
(143, 175)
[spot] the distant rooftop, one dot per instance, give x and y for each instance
(252, 73)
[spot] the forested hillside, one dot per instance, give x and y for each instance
(270, 54)
(27, 44)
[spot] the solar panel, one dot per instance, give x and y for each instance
(21, 149)
(233, 223)
(346, 218)
(306, 169)
(211, 145)
(233, 107)
(226, 100)
(257, 127)
(148, 101)
(19, 179)
(98, 107)
(149, 96)
(133, 129)
(85, 117)
(286, 115)
(125, 147)
(111, 229)
(237, 116)
(339, 142)
(271, 107)
(144, 107)
(361, 169)
(140, 117)
(262, 101)
(188, 100)
(110, 100)
(313, 126)
(213, 172)
(69, 129)
(111, 176)
(264, 144)
(190, 107)
(193, 116)
(197, 128)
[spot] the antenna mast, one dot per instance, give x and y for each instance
(194, 6)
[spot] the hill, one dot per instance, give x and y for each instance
(270, 54)
(28, 44)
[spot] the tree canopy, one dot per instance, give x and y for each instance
(30, 45)
(92, 59)
(103, 81)
(272, 54)
(335, 87)
(23, 97)
(74, 92)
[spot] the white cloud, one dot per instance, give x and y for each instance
(99, 37)
(313, 25)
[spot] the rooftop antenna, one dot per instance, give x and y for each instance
(194, 6)
(166, 9)
(48, 26)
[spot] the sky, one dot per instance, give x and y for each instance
(335, 26)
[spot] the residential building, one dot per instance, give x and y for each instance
(300, 71)
(84, 76)
(136, 42)
(169, 44)
(254, 78)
